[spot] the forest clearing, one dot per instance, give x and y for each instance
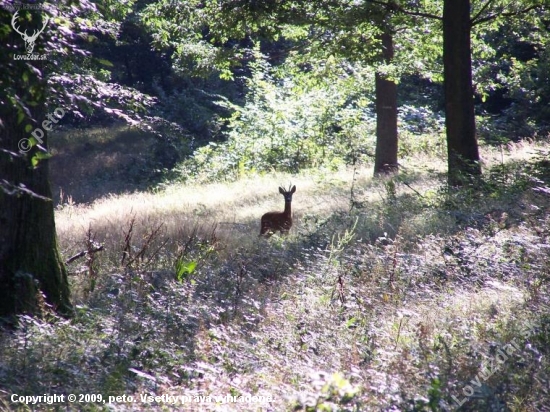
(237, 205)
(403, 300)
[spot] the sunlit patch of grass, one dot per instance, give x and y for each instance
(235, 207)
(387, 294)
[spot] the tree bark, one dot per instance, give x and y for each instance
(30, 265)
(462, 147)
(385, 160)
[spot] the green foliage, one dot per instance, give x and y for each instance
(510, 68)
(512, 178)
(200, 106)
(234, 315)
(184, 269)
(115, 10)
(289, 123)
(334, 393)
(38, 156)
(529, 87)
(327, 319)
(313, 39)
(194, 251)
(179, 26)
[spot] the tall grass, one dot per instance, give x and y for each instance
(386, 295)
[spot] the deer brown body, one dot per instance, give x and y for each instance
(279, 221)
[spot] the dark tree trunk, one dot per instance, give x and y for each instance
(30, 264)
(385, 160)
(462, 148)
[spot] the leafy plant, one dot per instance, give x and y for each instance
(184, 269)
(287, 124)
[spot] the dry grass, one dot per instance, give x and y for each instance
(240, 204)
(336, 316)
(235, 208)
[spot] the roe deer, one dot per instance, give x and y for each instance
(273, 221)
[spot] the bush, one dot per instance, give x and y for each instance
(288, 125)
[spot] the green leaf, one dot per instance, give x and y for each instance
(38, 156)
(105, 62)
(351, 322)
(184, 269)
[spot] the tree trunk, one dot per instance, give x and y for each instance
(30, 264)
(462, 148)
(385, 161)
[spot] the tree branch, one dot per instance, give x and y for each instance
(15, 190)
(480, 12)
(396, 7)
(84, 253)
(509, 14)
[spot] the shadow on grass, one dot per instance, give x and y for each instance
(145, 321)
(88, 164)
(505, 197)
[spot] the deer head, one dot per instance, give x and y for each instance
(29, 40)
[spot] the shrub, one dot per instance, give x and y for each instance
(288, 124)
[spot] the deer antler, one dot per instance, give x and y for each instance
(25, 35)
(46, 20)
(13, 20)
(29, 40)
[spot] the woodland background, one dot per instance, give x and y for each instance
(417, 134)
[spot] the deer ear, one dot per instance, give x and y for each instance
(293, 189)
(281, 190)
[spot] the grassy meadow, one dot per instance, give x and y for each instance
(392, 294)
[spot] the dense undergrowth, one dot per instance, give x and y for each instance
(394, 295)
